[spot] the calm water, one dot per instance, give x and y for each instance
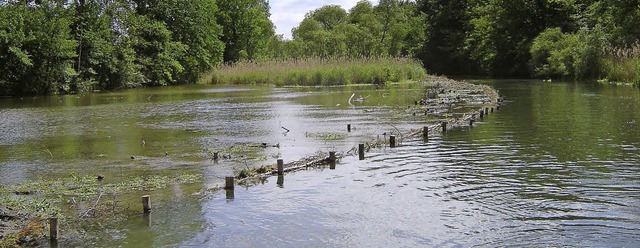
(557, 165)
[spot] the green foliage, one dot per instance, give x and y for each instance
(51, 46)
(393, 28)
(156, 53)
(247, 30)
(316, 71)
(192, 23)
(36, 49)
(62, 47)
(556, 54)
(622, 64)
(448, 23)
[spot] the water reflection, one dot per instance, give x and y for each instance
(556, 166)
(541, 172)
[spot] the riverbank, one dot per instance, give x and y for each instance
(318, 72)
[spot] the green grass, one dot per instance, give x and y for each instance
(622, 65)
(317, 72)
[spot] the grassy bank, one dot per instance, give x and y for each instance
(622, 65)
(315, 72)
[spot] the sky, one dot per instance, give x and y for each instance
(287, 14)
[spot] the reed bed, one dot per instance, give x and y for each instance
(317, 72)
(622, 64)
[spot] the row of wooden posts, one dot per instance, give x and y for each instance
(229, 181)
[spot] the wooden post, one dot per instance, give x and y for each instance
(280, 181)
(332, 157)
(425, 133)
(348, 127)
(228, 183)
(491, 109)
(280, 167)
(215, 155)
(486, 111)
(392, 141)
(146, 203)
(53, 229)
(146, 217)
(444, 126)
(361, 151)
(481, 114)
(230, 194)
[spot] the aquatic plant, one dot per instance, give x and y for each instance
(622, 64)
(317, 71)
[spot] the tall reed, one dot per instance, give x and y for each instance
(317, 71)
(622, 64)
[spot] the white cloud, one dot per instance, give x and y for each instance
(287, 14)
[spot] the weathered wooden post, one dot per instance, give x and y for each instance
(280, 181)
(392, 141)
(348, 127)
(146, 203)
(361, 151)
(425, 133)
(486, 111)
(332, 157)
(491, 109)
(444, 126)
(481, 114)
(53, 229)
(230, 194)
(280, 167)
(228, 183)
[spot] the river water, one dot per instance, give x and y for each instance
(557, 165)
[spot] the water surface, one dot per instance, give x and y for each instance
(557, 165)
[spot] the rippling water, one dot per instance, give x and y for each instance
(557, 165)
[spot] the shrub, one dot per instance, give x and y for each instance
(557, 54)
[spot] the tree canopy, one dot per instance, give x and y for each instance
(55, 46)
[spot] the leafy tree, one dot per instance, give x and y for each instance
(156, 53)
(318, 32)
(37, 49)
(192, 23)
(394, 29)
(105, 60)
(328, 16)
(447, 24)
(574, 55)
(619, 18)
(247, 30)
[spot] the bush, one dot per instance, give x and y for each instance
(557, 54)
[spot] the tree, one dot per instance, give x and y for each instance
(447, 24)
(37, 48)
(247, 30)
(394, 29)
(192, 23)
(156, 52)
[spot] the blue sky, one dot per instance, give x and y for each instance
(287, 14)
